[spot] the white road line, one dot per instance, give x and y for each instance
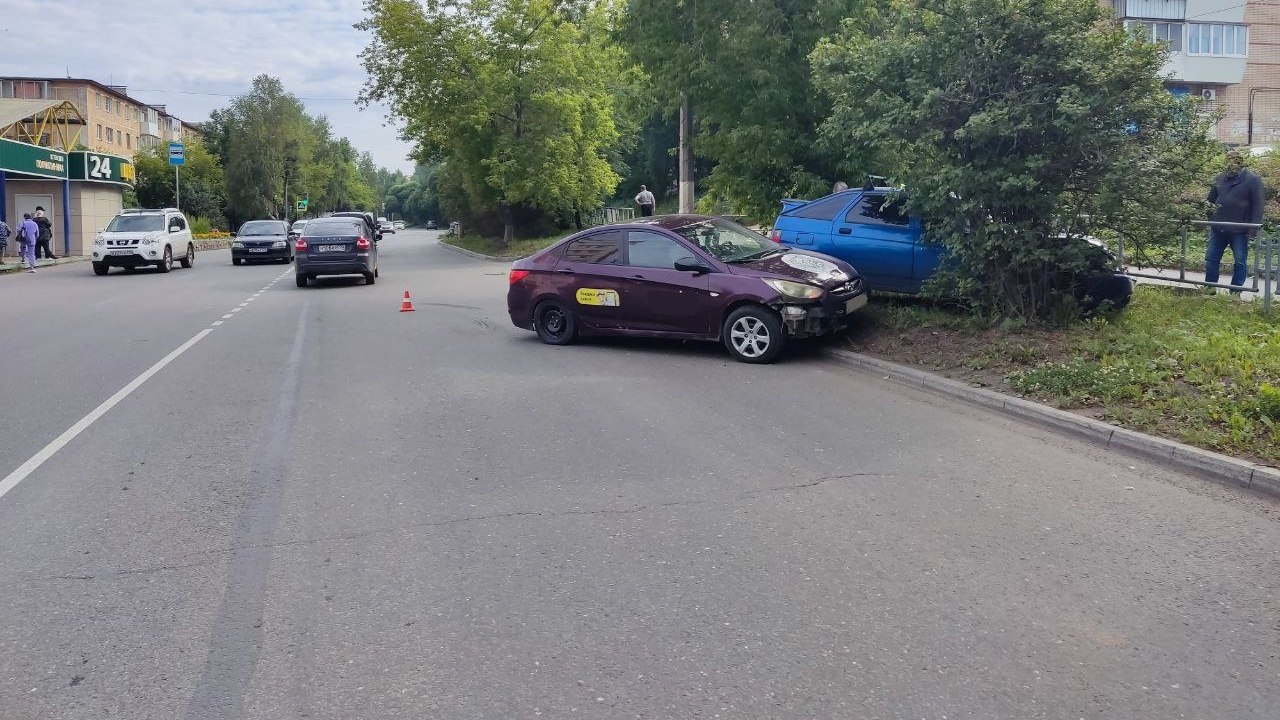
(228, 316)
(216, 323)
(236, 310)
(244, 304)
(28, 467)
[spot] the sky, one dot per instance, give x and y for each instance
(194, 55)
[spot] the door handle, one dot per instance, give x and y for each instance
(845, 231)
(565, 271)
(639, 277)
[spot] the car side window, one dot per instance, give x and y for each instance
(879, 210)
(651, 250)
(598, 249)
(822, 209)
(175, 223)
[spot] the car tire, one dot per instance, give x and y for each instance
(554, 323)
(375, 272)
(301, 280)
(190, 258)
(753, 334)
(101, 268)
(370, 278)
(236, 261)
(166, 262)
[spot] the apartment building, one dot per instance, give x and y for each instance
(113, 122)
(1226, 52)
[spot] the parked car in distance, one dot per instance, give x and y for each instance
(867, 229)
(686, 277)
(135, 238)
(399, 224)
(431, 224)
(336, 246)
(296, 229)
(262, 240)
(386, 225)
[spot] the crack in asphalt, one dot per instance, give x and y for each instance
(473, 519)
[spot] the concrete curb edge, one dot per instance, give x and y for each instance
(476, 255)
(1205, 463)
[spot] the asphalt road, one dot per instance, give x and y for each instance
(325, 508)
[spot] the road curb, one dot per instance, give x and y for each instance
(1204, 463)
(478, 256)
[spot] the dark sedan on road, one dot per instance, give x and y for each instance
(336, 246)
(262, 240)
(683, 276)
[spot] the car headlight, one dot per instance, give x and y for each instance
(797, 290)
(279, 244)
(237, 245)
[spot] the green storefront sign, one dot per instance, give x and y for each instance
(99, 167)
(32, 160)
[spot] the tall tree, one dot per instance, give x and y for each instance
(200, 178)
(1017, 125)
(270, 128)
(513, 93)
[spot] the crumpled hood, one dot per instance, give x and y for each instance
(800, 265)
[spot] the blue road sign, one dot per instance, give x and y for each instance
(177, 153)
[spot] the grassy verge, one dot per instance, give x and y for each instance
(489, 246)
(1204, 370)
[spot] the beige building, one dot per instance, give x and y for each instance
(1226, 52)
(113, 122)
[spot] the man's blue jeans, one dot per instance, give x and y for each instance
(1219, 240)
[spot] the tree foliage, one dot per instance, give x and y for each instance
(1015, 124)
(513, 94)
(200, 180)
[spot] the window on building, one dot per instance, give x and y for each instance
(128, 140)
(111, 135)
(99, 132)
(97, 100)
(1168, 32)
(1218, 40)
(24, 89)
(107, 104)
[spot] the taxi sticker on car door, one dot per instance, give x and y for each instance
(592, 296)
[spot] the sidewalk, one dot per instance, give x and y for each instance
(8, 266)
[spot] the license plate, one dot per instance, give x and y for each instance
(257, 250)
(330, 248)
(855, 303)
(121, 252)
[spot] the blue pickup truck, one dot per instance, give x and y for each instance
(868, 230)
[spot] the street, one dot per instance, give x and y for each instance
(326, 508)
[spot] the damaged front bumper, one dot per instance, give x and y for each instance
(803, 320)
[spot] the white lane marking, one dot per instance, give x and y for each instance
(216, 323)
(228, 316)
(48, 451)
(244, 304)
(236, 310)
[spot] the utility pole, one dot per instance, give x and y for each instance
(686, 156)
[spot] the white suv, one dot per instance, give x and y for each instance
(144, 237)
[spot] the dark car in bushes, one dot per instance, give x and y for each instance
(868, 229)
(687, 277)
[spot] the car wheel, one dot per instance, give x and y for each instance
(753, 334)
(555, 324)
(301, 280)
(166, 263)
(236, 261)
(375, 272)
(190, 258)
(100, 268)
(370, 278)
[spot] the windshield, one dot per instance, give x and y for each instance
(344, 228)
(263, 227)
(136, 223)
(726, 240)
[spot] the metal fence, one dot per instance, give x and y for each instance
(609, 215)
(1263, 251)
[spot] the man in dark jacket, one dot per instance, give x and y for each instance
(46, 235)
(1237, 197)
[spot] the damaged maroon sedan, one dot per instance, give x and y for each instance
(683, 276)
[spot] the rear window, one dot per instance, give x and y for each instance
(346, 229)
(825, 209)
(599, 249)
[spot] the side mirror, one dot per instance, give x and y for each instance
(377, 237)
(233, 233)
(174, 229)
(693, 265)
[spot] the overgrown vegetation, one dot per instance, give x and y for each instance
(1201, 369)
(488, 245)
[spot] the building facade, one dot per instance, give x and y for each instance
(1226, 52)
(113, 122)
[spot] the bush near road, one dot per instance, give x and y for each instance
(1200, 369)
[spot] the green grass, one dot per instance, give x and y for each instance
(489, 246)
(1201, 369)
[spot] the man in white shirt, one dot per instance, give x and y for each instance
(645, 200)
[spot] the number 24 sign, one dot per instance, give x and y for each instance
(99, 167)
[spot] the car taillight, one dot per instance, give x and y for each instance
(775, 235)
(300, 245)
(362, 243)
(517, 275)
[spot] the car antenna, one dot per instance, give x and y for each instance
(871, 181)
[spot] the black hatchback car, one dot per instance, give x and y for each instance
(336, 246)
(260, 240)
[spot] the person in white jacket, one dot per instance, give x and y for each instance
(645, 200)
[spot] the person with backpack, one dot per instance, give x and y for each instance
(45, 235)
(27, 234)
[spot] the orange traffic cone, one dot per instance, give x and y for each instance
(407, 305)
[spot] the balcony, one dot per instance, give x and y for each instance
(76, 96)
